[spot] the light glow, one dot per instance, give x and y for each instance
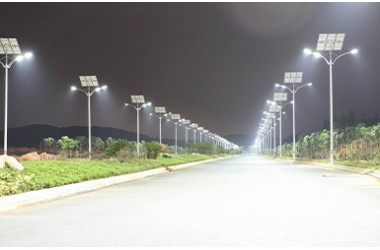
(19, 58)
(307, 51)
(28, 55)
(354, 51)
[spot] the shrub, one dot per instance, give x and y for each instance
(115, 147)
(13, 182)
(153, 149)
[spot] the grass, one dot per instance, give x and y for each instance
(52, 173)
(358, 164)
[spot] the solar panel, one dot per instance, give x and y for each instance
(186, 122)
(175, 116)
(280, 96)
(206, 131)
(200, 128)
(137, 99)
(160, 110)
(274, 108)
(89, 81)
(293, 77)
(194, 125)
(9, 46)
(329, 42)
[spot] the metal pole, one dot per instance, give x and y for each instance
(160, 118)
(89, 122)
(274, 137)
(175, 137)
(280, 131)
(6, 107)
(195, 136)
(138, 130)
(294, 127)
(270, 141)
(331, 113)
(186, 134)
(200, 136)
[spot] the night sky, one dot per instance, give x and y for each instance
(213, 63)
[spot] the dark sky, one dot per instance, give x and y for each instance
(213, 63)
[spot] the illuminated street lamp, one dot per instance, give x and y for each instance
(293, 78)
(176, 118)
(10, 48)
(194, 126)
(90, 85)
(206, 133)
(139, 103)
(186, 122)
(329, 43)
(272, 117)
(200, 129)
(160, 113)
(280, 107)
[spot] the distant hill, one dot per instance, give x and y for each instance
(32, 135)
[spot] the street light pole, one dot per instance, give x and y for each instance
(280, 107)
(160, 113)
(138, 100)
(330, 43)
(294, 91)
(194, 126)
(87, 83)
(9, 46)
(176, 119)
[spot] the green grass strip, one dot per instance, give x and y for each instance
(52, 173)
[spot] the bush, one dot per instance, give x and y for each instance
(153, 149)
(203, 148)
(123, 155)
(180, 150)
(13, 182)
(115, 147)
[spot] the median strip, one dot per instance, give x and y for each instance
(11, 202)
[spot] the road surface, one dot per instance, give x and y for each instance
(243, 201)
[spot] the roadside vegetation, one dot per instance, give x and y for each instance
(357, 146)
(111, 158)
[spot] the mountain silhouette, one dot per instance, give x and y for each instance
(32, 135)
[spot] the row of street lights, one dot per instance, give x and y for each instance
(90, 85)
(10, 48)
(328, 43)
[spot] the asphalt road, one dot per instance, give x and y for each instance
(245, 201)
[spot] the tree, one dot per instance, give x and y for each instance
(109, 141)
(83, 143)
(68, 145)
(48, 143)
(115, 147)
(153, 149)
(97, 143)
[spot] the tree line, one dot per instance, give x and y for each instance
(357, 143)
(77, 147)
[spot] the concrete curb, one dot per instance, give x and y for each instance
(28, 198)
(366, 171)
(190, 164)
